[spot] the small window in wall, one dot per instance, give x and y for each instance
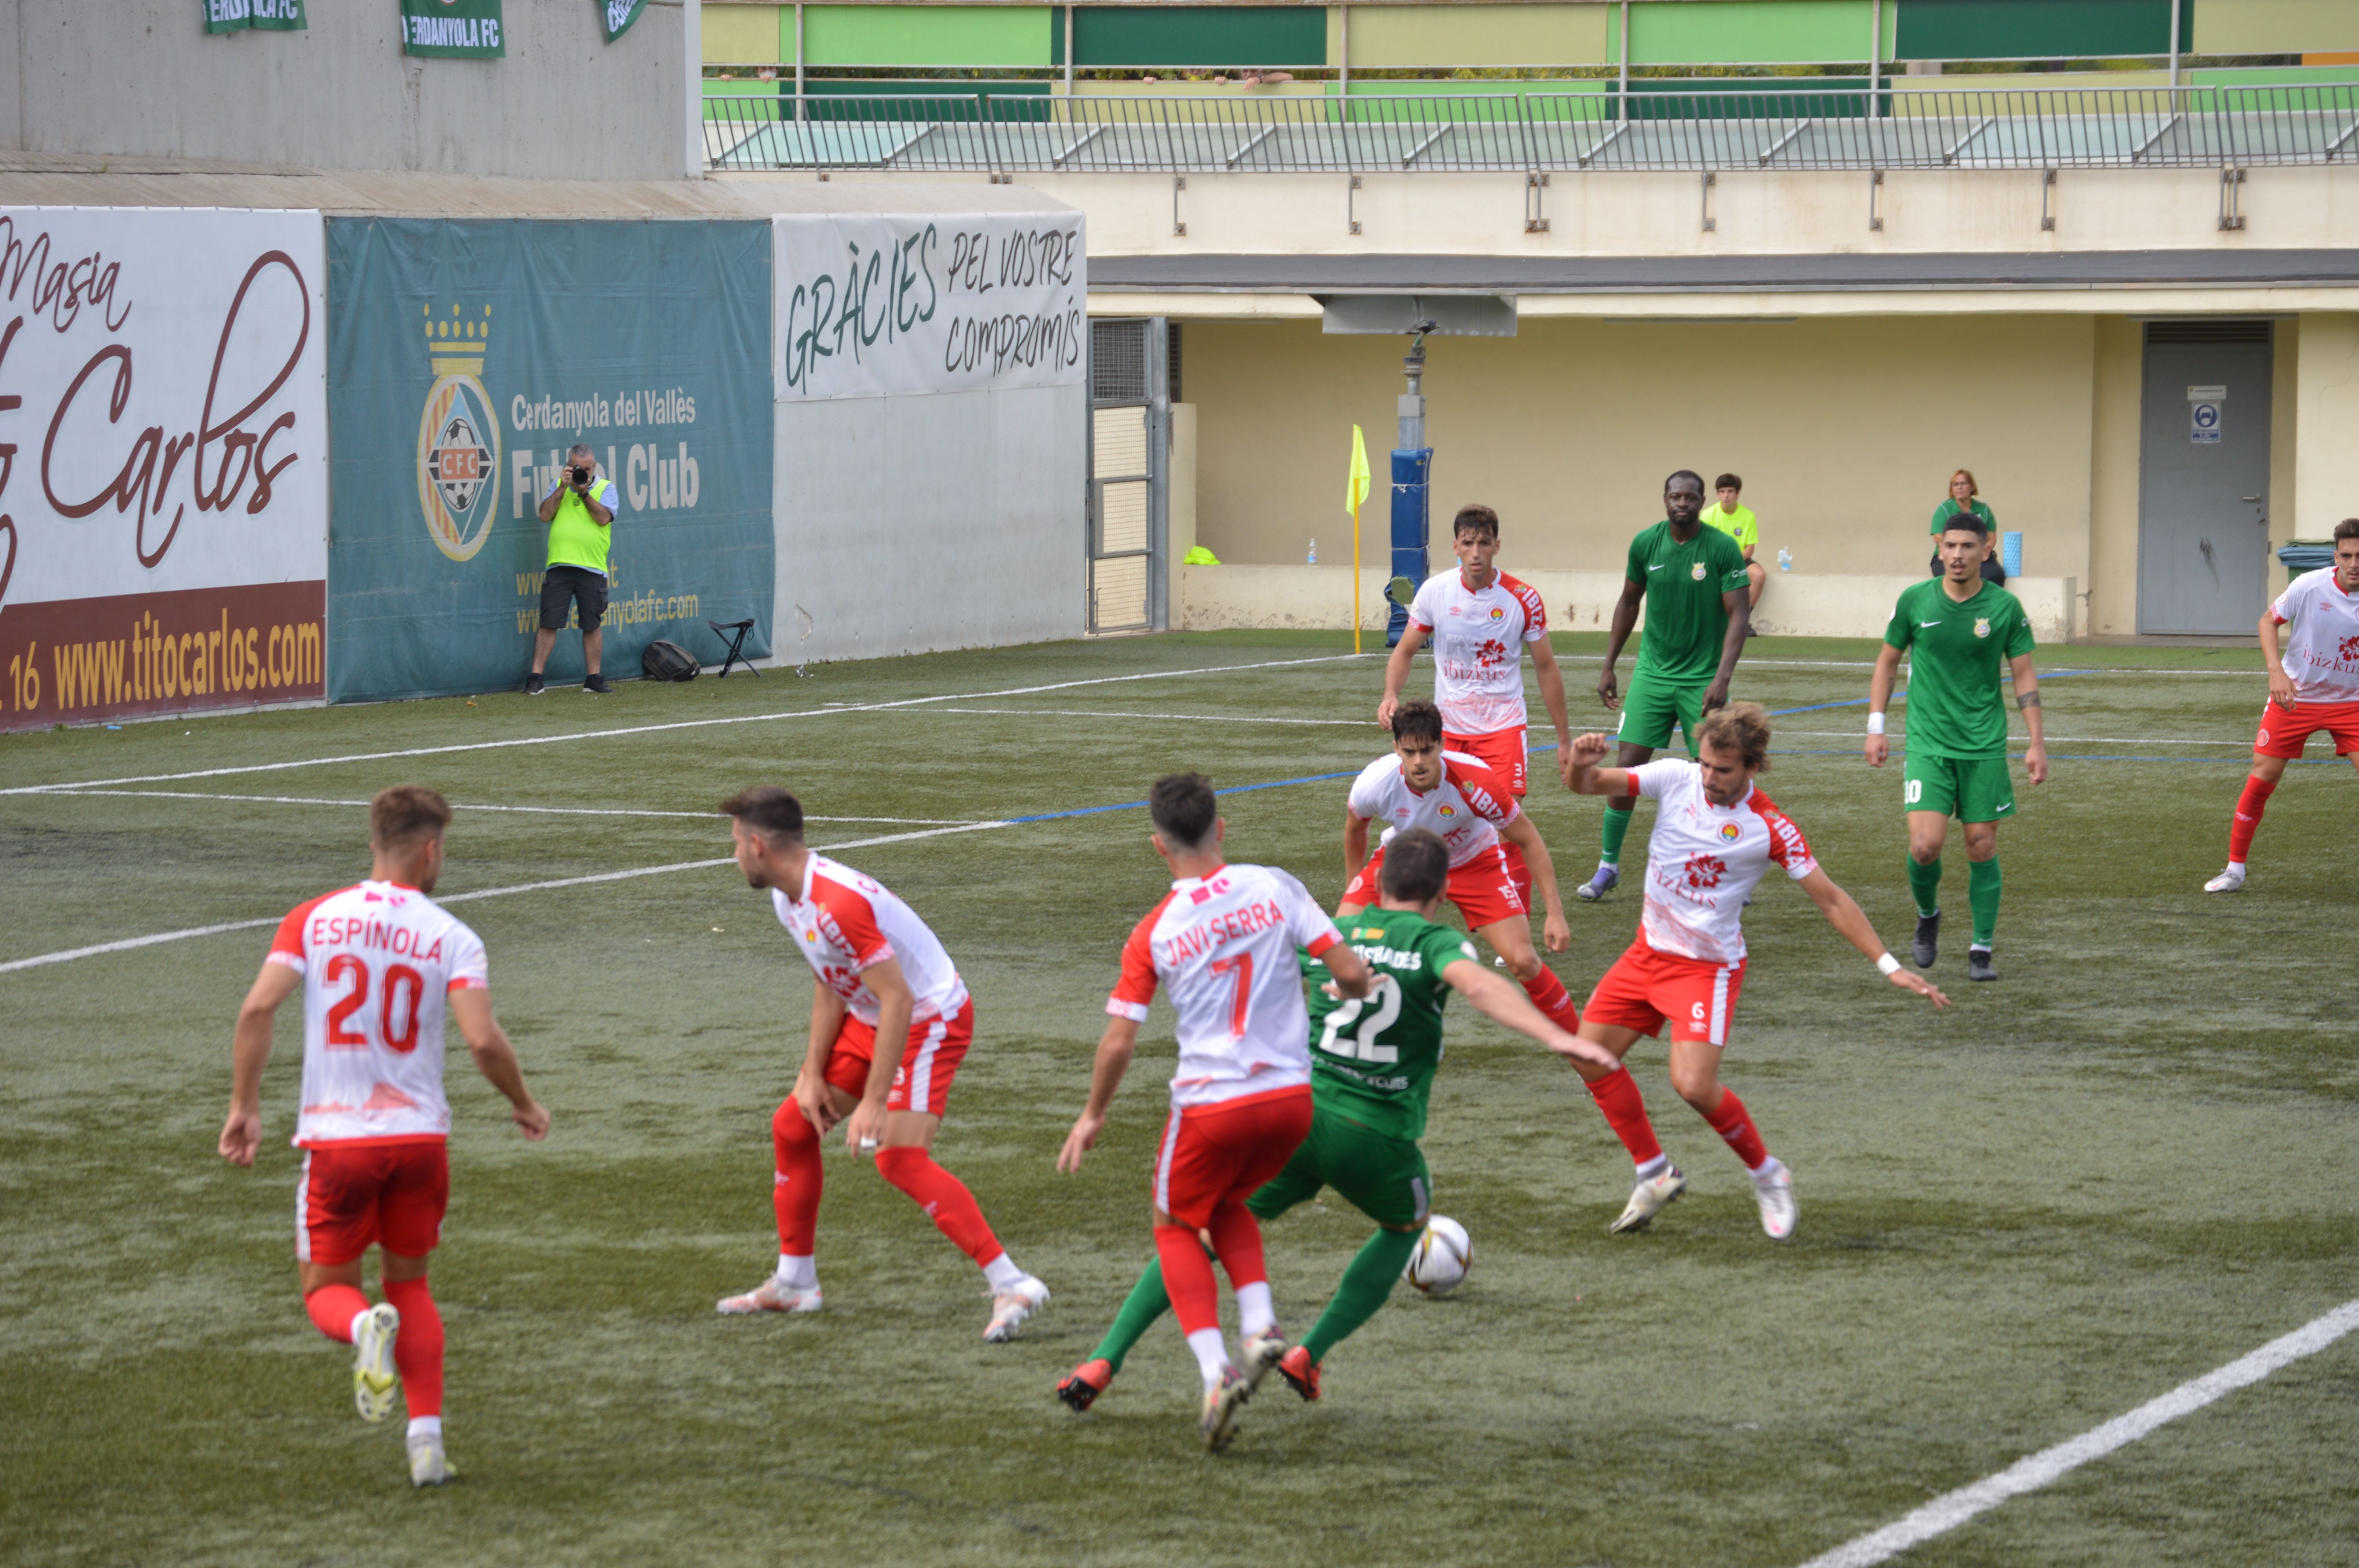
(1172, 354)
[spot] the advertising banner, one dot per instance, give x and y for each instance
(618, 16)
(163, 460)
(873, 305)
(237, 16)
(467, 359)
(453, 29)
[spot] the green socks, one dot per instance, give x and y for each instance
(1366, 1284)
(1925, 882)
(1617, 827)
(1147, 1302)
(1982, 884)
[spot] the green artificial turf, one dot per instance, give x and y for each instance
(2126, 1164)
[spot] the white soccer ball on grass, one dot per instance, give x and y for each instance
(1439, 1265)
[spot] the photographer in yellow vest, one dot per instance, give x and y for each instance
(579, 512)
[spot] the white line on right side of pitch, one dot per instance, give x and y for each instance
(1951, 1510)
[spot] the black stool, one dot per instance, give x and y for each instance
(737, 644)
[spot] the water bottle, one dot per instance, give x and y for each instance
(1314, 554)
(1785, 559)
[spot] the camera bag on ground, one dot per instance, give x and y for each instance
(668, 661)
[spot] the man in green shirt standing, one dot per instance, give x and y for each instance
(1734, 518)
(1371, 1066)
(579, 512)
(1693, 582)
(1957, 627)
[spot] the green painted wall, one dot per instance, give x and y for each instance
(2013, 30)
(1194, 36)
(1395, 37)
(2277, 26)
(924, 35)
(747, 34)
(1703, 32)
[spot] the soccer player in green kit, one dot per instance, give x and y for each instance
(1693, 581)
(1372, 1067)
(1958, 629)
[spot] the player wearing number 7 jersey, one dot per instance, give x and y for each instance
(1223, 942)
(375, 962)
(1372, 1064)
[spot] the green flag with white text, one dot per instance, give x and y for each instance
(237, 16)
(619, 15)
(453, 29)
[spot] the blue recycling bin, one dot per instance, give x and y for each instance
(1412, 487)
(2305, 555)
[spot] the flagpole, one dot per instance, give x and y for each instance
(1355, 568)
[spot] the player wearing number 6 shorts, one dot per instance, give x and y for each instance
(1715, 835)
(2313, 685)
(375, 962)
(1957, 630)
(1223, 942)
(1371, 1066)
(1466, 805)
(890, 1022)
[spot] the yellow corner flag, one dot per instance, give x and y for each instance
(1355, 490)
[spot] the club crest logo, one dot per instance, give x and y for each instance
(458, 437)
(1499, 612)
(1447, 811)
(1729, 832)
(1982, 625)
(1696, 571)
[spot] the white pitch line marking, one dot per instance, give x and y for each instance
(679, 724)
(478, 805)
(1951, 1510)
(128, 943)
(1897, 735)
(1190, 718)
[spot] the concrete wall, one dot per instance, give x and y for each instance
(142, 77)
(2116, 394)
(2327, 415)
(1846, 431)
(911, 524)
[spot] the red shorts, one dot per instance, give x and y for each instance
(923, 1084)
(1486, 889)
(2285, 734)
(1502, 750)
(1645, 987)
(352, 1195)
(1212, 1154)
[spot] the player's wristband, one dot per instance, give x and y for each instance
(1875, 723)
(1887, 964)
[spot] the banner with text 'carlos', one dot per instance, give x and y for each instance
(468, 359)
(871, 305)
(163, 460)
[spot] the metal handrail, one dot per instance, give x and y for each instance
(1645, 128)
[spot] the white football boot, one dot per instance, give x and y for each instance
(1649, 1198)
(1780, 1212)
(770, 1295)
(374, 1376)
(1220, 1407)
(427, 1464)
(1011, 1308)
(1262, 1352)
(2229, 881)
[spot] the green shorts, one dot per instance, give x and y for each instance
(1384, 1178)
(1972, 789)
(1653, 706)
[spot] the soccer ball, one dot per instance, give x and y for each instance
(1439, 1265)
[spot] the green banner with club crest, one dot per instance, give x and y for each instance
(465, 360)
(263, 16)
(618, 16)
(453, 29)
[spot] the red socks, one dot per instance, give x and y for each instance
(944, 1197)
(2249, 806)
(1188, 1278)
(795, 1195)
(418, 1350)
(333, 1309)
(1735, 1126)
(1618, 1096)
(1547, 994)
(1237, 1238)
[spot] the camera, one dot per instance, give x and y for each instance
(580, 476)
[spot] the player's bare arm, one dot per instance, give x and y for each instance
(1879, 698)
(495, 1058)
(2027, 698)
(813, 1095)
(1587, 778)
(1845, 915)
(249, 1054)
(896, 1004)
(1626, 620)
(1116, 1048)
(1738, 602)
(1504, 1002)
(2281, 691)
(1550, 676)
(1396, 670)
(1520, 832)
(1352, 975)
(1355, 845)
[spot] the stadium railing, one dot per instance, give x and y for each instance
(1657, 129)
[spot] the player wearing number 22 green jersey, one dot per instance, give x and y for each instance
(1373, 1062)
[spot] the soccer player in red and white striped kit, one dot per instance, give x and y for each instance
(1223, 943)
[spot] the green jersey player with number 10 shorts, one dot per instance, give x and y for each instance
(1373, 1062)
(1957, 630)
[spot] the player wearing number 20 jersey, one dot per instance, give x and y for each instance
(377, 963)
